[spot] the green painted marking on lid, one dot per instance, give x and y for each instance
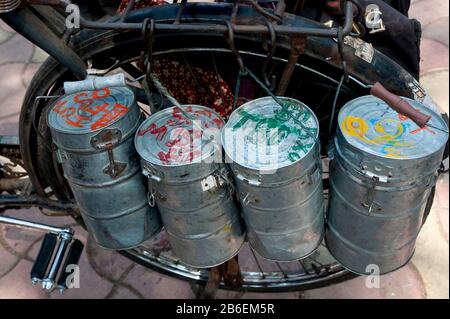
(280, 121)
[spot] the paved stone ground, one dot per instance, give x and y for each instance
(106, 274)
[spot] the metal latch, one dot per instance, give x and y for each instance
(151, 173)
(106, 140)
(248, 198)
(249, 181)
(370, 202)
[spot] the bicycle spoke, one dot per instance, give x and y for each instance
(215, 70)
(263, 276)
(132, 70)
(321, 102)
(325, 117)
(304, 267)
(218, 80)
(201, 89)
(315, 260)
(281, 269)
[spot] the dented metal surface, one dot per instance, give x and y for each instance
(382, 170)
(93, 132)
(190, 185)
(281, 196)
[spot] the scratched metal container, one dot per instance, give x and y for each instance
(382, 170)
(277, 169)
(94, 133)
(190, 185)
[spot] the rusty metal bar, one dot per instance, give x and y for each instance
(217, 28)
(297, 47)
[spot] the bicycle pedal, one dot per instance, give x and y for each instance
(43, 258)
(52, 255)
(72, 259)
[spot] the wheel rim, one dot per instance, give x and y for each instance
(313, 271)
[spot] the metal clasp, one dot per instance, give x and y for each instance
(248, 198)
(61, 156)
(151, 173)
(377, 169)
(106, 140)
(370, 203)
(151, 197)
(249, 181)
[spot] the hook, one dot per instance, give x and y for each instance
(273, 39)
(148, 37)
(341, 53)
(144, 38)
(230, 40)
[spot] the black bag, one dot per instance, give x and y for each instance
(401, 39)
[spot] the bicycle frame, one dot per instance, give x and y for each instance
(30, 25)
(25, 22)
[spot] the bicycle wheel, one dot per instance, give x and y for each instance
(314, 82)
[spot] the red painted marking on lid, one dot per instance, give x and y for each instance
(207, 113)
(117, 111)
(59, 105)
(154, 129)
(80, 121)
(218, 122)
(421, 129)
(84, 103)
(97, 94)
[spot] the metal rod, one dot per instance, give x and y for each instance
(218, 28)
(202, 28)
(304, 267)
(315, 260)
(257, 263)
(297, 48)
(437, 128)
(282, 270)
(20, 223)
(128, 9)
(29, 26)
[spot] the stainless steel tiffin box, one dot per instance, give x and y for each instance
(382, 170)
(189, 183)
(277, 169)
(94, 135)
